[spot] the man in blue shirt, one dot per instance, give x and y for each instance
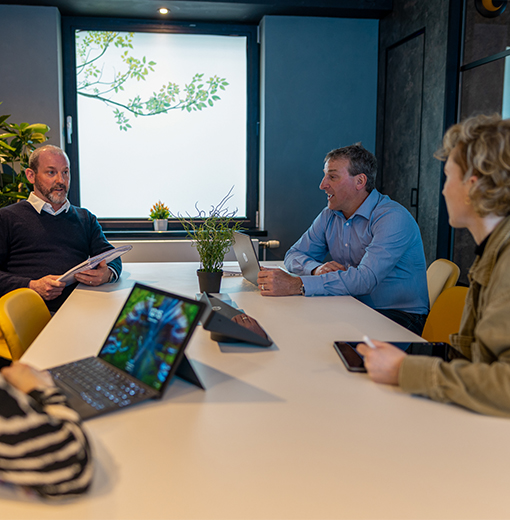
(374, 242)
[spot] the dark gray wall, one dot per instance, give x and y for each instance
(402, 124)
(318, 92)
(30, 74)
(411, 108)
(481, 93)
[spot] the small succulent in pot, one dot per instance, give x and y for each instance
(159, 212)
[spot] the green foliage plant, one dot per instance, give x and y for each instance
(212, 233)
(17, 142)
(159, 212)
(93, 82)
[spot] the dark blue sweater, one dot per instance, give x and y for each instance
(34, 245)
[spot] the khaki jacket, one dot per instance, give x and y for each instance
(483, 383)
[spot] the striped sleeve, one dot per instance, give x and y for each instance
(42, 444)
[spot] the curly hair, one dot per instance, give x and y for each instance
(360, 161)
(481, 147)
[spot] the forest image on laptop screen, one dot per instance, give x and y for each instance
(148, 335)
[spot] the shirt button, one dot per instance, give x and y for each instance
(346, 245)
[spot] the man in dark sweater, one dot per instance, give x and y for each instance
(45, 236)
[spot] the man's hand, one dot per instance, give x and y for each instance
(94, 277)
(383, 362)
(275, 282)
(249, 323)
(26, 378)
(328, 267)
(47, 286)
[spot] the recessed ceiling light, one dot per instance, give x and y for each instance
(163, 10)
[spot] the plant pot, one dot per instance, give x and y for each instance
(209, 282)
(160, 224)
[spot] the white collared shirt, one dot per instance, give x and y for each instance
(40, 205)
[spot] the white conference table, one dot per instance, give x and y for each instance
(280, 433)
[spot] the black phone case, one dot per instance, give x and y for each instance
(351, 359)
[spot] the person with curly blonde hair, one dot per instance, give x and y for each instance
(477, 194)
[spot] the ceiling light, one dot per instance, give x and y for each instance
(163, 10)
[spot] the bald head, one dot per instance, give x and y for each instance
(35, 157)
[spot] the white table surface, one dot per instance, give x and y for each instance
(280, 433)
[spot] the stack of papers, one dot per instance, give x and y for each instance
(93, 262)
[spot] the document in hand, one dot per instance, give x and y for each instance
(93, 262)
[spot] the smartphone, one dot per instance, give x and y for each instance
(350, 357)
(353, 361)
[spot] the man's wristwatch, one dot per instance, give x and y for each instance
(302, 290)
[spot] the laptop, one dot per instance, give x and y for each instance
(245, 254)
(142, 352)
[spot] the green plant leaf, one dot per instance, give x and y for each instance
(90, 49)
(6, 146)
(39, 128)
(15, 147)
(38, 138)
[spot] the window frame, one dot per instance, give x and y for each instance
(71, 24)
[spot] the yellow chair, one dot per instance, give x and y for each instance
(441, 274)
(445, 314)
(23, 314)
(4, 349)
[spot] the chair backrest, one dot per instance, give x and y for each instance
(441, 274)
(23, 314)
(445, 314)
(4, 349)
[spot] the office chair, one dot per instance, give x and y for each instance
(23, 314)
(445, 314)
(4, 349)
(441, 275)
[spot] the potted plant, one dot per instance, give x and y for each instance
(212, 235)
(17, 142)
(159, 214)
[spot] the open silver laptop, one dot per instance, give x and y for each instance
(142, 352)
(245, 254)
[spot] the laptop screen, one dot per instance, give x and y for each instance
(245, 254)
(150, 333)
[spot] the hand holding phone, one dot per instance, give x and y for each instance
(353, 361)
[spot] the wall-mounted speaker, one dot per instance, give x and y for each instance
(490, 8)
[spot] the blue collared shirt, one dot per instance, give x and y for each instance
(380, 245)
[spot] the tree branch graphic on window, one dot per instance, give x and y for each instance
(93, 82)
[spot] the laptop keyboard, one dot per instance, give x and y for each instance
(99, 385)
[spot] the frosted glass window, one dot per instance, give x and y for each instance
(183, 157)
